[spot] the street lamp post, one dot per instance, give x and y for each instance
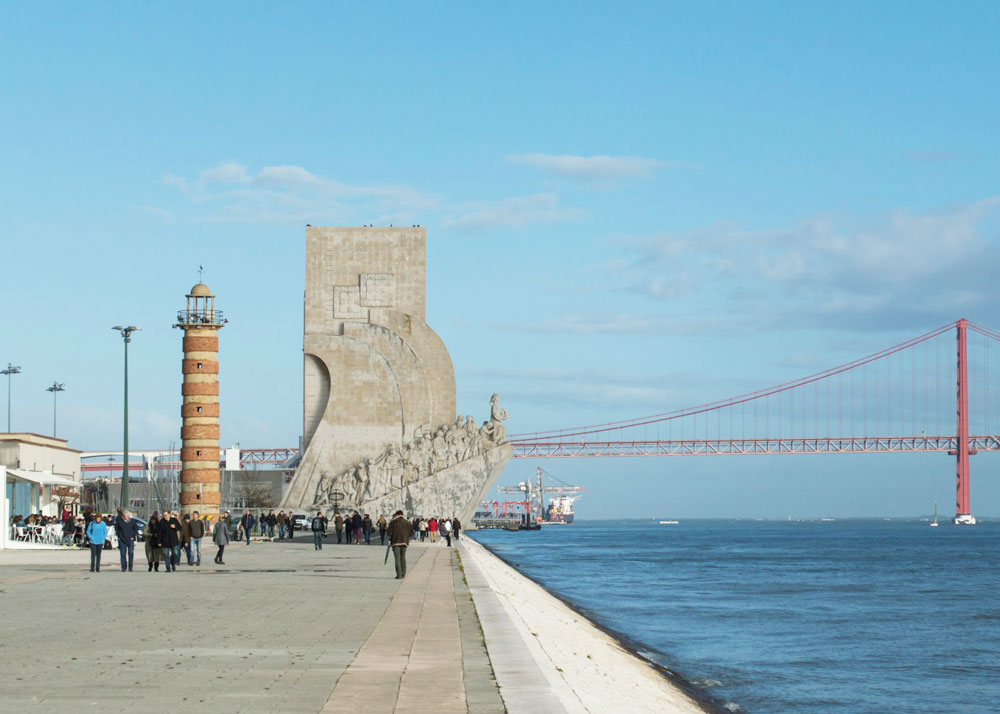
(126, 338)
(55, 389)
(11, 369)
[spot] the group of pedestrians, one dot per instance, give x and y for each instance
(434, 527)
(267, 525)
(354, 527)
(169, 536)
(166, 537)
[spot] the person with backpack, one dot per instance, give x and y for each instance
(318, 530)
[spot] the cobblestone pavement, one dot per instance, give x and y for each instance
(272, 631)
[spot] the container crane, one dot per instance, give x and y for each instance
(534, 494)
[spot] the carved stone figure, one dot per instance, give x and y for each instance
(399, 467)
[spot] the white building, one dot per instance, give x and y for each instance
(31, 465)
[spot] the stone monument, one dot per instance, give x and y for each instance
(380, 430)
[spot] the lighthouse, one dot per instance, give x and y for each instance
(200, 476)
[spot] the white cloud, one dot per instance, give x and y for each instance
(591, 168)
(907, 267)
(230, 192)
(513, 212)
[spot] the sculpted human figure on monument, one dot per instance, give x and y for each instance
(494, 429)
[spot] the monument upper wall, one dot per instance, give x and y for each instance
(352, 271)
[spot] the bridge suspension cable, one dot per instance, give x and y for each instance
(901, 399)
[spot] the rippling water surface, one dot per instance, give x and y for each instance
(844, 616)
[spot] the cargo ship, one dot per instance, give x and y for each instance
(559, 511)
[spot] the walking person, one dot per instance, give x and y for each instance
(357, 521)
(246, 523)
(400, 533)
(445, 527)
(423, 530)
(272, 520)
(338, 524)
(367, 527)
(169, 529)
(290, 522)
(186, 538)
(348, 529)
(97, 533)
(220, 536)
(152, 543)
(197, 532)
(318, 530)
(127, 531)
(456, 526)
(382, 524)
(432, 528)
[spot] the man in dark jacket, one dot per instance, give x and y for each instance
(318, 530)
(366, 528)
(186, 537)
(246, 523)
(456, 526)
(197, 533)
(338, 523)
(400, 531)
(272, 521)
(128, 531)
(169, 532)
(357, 520)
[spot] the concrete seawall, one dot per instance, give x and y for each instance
(548, 658)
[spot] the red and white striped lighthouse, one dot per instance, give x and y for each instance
(200, 476)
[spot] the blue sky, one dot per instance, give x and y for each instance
(629, 210)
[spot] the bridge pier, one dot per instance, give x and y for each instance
(963, 510)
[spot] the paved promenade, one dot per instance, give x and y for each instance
(285, 628)
(280, 628)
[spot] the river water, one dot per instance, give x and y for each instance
(806, 617)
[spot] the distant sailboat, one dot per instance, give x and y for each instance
(934, 523)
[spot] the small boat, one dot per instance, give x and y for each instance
(669, 523)
(934, 523)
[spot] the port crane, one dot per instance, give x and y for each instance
(534, 493)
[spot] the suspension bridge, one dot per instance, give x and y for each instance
(936, 392)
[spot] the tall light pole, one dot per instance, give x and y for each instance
(126, 338)
(11, 369)
(55, 389)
